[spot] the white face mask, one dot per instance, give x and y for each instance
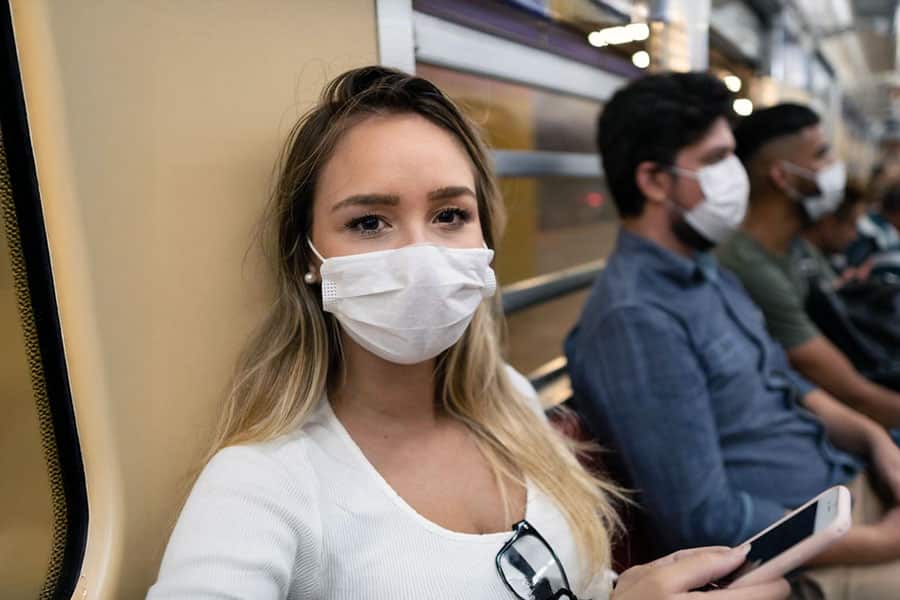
(409, 304)
(831, 181)
(726, 189)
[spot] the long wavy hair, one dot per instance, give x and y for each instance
(296, 354)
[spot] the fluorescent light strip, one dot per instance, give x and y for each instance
(446, 44)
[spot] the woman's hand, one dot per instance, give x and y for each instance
(885, 457)
(673, 576)
(887, 531)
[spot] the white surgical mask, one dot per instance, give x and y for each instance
(726, 189)
(409, 304)
(831, 181)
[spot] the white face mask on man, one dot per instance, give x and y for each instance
(409, 304)
(726, 190)
(831, 182)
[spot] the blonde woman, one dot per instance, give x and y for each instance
(374, 444)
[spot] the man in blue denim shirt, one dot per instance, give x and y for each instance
(670, 361)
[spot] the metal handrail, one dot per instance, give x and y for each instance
(540, 163)
(548, 372)
(543, 288)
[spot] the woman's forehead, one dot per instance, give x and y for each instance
(394, 154)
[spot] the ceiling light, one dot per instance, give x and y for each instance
(616, 35)
(641, 59)
(732, 82)
(595, 38)
(743, 106)
(638, 31)
(621, 34)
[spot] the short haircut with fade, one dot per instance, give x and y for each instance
(758, 129)
(652, 119)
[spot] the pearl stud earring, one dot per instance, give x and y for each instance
(310, 278)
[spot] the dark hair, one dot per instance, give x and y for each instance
(753, 132)
(652, 119)
(890, 199)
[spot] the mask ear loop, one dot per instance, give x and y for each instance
(311, 276)
(677, 171)
(792, 192)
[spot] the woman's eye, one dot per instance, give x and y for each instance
(452, 216)
(367, 224)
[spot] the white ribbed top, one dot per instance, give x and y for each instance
(307, 516)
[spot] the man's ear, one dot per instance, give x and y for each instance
(777, 176)
(654, 183)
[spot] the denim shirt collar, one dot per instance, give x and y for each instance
(667, 263)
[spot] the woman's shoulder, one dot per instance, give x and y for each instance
(283, 462)
(287, 462)
(255, 505)
(248, 480)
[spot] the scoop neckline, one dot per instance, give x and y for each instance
(403, 505)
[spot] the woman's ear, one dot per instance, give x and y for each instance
(654, 183)
(312, 275)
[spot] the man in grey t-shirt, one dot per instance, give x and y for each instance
(794, 181)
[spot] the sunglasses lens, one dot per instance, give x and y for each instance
(530, 569)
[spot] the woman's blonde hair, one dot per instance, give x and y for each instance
(285, 369)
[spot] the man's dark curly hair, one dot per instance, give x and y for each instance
(652, 119)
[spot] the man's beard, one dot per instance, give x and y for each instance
(687, 235)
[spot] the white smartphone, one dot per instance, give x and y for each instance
(793, 540)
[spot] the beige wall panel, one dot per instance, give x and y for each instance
(156, 125)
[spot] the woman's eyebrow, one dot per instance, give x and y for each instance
(450, 191)
(367, 200)
(442, 193)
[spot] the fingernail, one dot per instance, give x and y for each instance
(742, 550)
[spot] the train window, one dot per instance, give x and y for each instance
(536, 334)
(520, 117)
(555, 223)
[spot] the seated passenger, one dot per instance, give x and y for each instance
(795, 181)
(878, 244)
(672, 366)
(828, 239)
(374, 444)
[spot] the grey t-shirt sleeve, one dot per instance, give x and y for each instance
(771, 289)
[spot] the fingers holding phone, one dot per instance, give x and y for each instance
(753, 570)
(673, 577)
(763, 591)
(885, 456)
(887, 531)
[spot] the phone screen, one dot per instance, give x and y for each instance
(776, 541)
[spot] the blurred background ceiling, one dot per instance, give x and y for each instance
(839, 55)
(859, 40)
(856, 38)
